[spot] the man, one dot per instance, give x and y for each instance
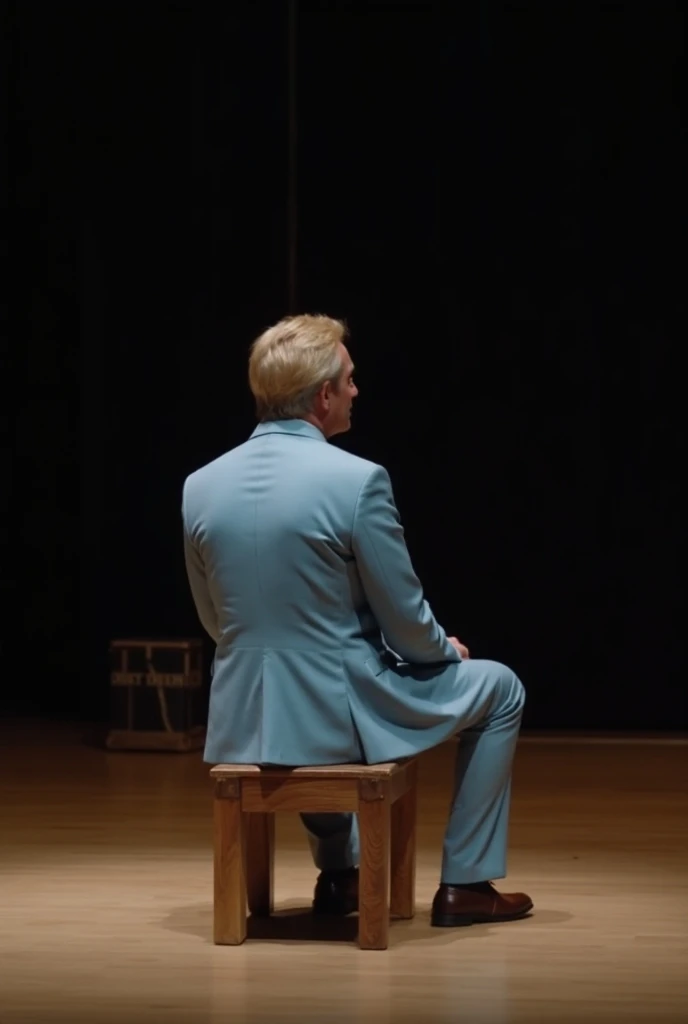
(326, 650)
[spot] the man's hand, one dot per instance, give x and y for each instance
(461, 648)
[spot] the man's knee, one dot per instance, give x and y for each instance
(519, 691)
(509, 689)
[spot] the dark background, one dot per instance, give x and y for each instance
(490, 194)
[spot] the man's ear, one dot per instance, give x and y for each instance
(322, 397)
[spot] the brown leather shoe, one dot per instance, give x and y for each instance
(336, 892)
(453, 907)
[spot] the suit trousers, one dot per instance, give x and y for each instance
(475, 841)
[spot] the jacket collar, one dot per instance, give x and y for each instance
(298, 428)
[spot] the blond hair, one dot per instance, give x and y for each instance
(291, 361)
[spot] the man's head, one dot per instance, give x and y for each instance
(301, 369)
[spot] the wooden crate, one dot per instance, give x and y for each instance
(157, 698)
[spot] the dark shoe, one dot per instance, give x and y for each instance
(454, 905)
(336, 892)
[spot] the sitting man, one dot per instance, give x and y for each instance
(326, 650)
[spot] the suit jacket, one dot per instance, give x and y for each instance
(326, 649)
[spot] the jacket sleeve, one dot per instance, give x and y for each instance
(195, 571)
(391, 586)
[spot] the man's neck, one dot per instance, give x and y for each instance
(314, 421)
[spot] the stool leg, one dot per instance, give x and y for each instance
(403, 854)
(229, 907)
(373, 884)
(260, 857)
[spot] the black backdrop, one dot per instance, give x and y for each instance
(491, 195)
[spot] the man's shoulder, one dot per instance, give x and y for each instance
(208, 469)
(354, 466)
(208, 477)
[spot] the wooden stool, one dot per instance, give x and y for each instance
(245, 799)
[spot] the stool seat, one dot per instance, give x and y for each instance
(246, 797)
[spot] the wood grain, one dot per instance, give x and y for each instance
(403, 850)
(299, 794)
(373, 895)
(328, 771)
(229, 885)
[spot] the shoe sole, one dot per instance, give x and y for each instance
(464, 920)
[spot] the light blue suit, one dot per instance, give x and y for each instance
(326, 650)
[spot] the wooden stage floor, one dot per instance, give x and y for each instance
(106, 876)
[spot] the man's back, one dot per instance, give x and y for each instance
(272, 533)
(273, 521)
